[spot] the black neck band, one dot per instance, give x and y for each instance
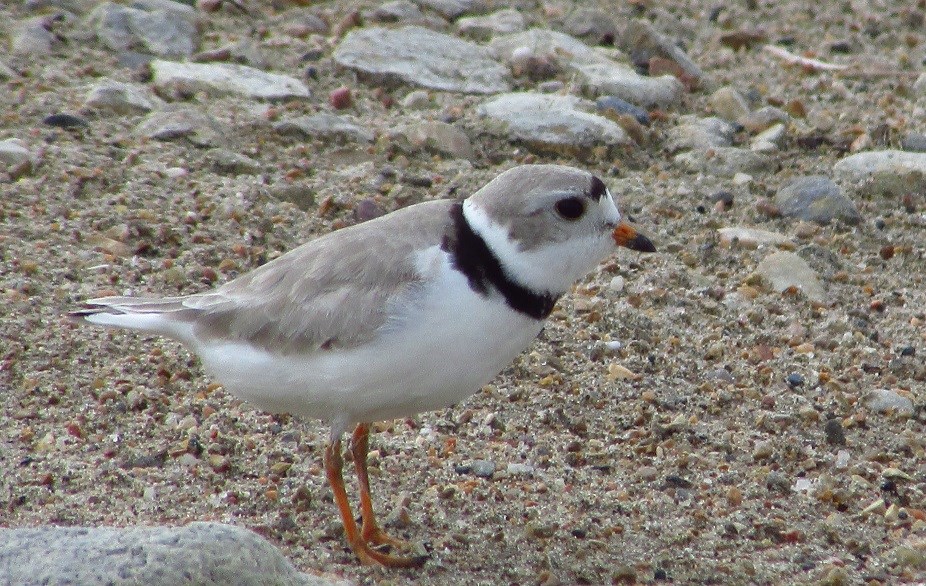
(472, 256)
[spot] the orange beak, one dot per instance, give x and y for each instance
(627, 236)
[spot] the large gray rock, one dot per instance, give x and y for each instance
(725, 161)
(817, 199)
(422, 57)
(199, 553)
(218, 79)
(693, 132)
(164, 28)
(597, 72)
(552, 120)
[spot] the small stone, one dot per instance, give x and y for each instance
(324, 125)
(877, 507)
(612, 107)
(648, 473)
(763, 119)
(786, 270)
(729, 104)
(619, 372)
(440, 137)
(914, 141)
(723, 161)
(752, 238)
(816, 198)
(417, 100)
(594, 25)
(763, 450)
(835, 435)
(367, 209)
(482, 468)
(340, 98)
(795, 380)
(502, 22)
(15, 157)
(65, 120)
(886, 401)
(119, 98)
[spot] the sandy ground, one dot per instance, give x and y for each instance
(683, 455)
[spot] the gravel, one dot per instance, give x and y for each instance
(617, 452)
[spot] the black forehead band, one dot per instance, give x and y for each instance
(597, 189)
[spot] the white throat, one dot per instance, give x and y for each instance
(545, 269)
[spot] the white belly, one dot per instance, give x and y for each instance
(446, 347)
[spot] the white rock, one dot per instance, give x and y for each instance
(783, 270)
(863, 165)
(224, 79)
(423, 57)
(751, 237)
(552, 120)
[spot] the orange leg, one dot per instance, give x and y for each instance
(371, 531)
(334, 465)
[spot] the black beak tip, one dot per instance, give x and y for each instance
(641, 243)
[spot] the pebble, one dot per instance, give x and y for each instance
(65, 120)
(594, 25)
(752, 238)
(502, 22)
(219, 79)
(340, 98)
(147, 555)
(452, 8)
(519, 469)
(794, 380)
(868, 165)
(440, 137)
(613, 107)
(763, 119)
(34, 37)
(323, 125)
(835, 434)
(6, 72)
(16, 158)
(693, 132)
(417, 100)
(182, 122)
(642, 39)
(729, 104)
(551, 121)
(884, 401)
(232, 163)
(763, 450)
(115, 97)
(769, 140)
(422, 57)
(482, 468)
(401, 11)
(816, 198)
(914, 142)
(165, 29)
(723, 161)
(784, 270)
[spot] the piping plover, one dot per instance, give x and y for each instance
(410, 312)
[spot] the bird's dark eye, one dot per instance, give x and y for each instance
(570, 208)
